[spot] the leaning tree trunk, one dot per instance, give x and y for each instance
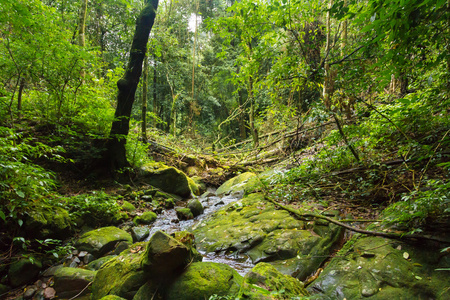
(127, 87)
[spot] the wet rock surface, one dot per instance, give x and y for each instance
(254, 227)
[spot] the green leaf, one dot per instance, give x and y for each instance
(20, 222)
(20, 194)
(2, 215)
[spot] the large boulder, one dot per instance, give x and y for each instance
(235, 184)
(23, 271)
(70, 282)
(254, 227)
(376, 268)
(100, 241)
(168, 179)
(122, 275)
(202, 280)
(47, 222)
(266, 282)
(165, 257)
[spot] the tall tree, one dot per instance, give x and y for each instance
(127, 86)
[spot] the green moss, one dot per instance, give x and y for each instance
(204, 279)
(235, 184)
(195, 206)
(122, 275)
(112, 297)
(184, 213)
(127, 206)
(265, 282)
(194, 187)
(96, 264)
(146, 218)
(168, 179)
(47, 221)
(23, 271)
(375, 267)
(71, 281)
(102, 240)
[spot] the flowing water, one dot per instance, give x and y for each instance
(169, 223)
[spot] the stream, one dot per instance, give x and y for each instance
(168, 222)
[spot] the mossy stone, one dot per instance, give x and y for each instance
(149, 291)
(196, 207)
(193, 186)
(165, 257)
(168, 179)
(201, 280)
(140, 233)
(235, 184)
(100, 241)
(23, 271)
(98, 263)
(47, 221)
(266, 282)
(127, 206)
(112, 297)
(122, 275)
(376, 268)
(146, 218)
(184, 213)
(71, 281)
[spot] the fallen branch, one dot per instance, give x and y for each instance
(390, 235)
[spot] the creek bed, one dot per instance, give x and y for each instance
(168, 222)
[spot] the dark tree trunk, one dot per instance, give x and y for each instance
(127, 87)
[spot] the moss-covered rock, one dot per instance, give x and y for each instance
(146, 218)
(235, 184)
(127, 206)
(100, 241)
(200, 184)
(140, 233)
(196, 207)
(112, 297)
(184, 213)
(98, 263)
(121, 276)
(23, 271)
(47, 221)
(149, 291)
(194, 187)
(266, 282)
(165, 257)
(255, 227)
(168, 179)
(376, 268)
(204, 279)
(71, 281)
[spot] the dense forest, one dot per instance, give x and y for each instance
(209, 149)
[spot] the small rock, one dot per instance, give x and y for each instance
(88, 258)
(176, 221)
(147, 217)
(139, 233)
(184, 213)
(122, 246)
(75, 252)
(29, 292)
(82, 254)
(49, 293)
(196, 207)
(76, 259)
(73, 265)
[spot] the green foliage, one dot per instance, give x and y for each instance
(21, 181)
(96, 208)
(418, 207)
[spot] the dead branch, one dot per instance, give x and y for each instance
(389, 235)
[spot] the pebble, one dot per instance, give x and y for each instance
(29, 292)
(49, 293)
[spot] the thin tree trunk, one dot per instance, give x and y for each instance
(252, 113)
(81, 29)
(127, 87)
(19, 97)
(243, 133)
(144, 101)
(192, 103)
(326, 95)
(155, 100)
